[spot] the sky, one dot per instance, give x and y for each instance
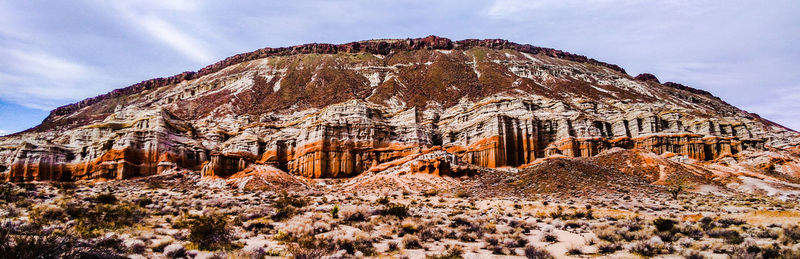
(57, 52)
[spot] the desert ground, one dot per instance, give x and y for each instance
(180, 215)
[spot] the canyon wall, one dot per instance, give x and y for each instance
(347, 139)
(334, 111)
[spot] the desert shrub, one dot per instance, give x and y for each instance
(790, 253)
(517, 240)
(748, 250)
(105, 198)
(28, 187)
(220, 255)
(516, 223)
(608, 247)
(633, 224)
(558, 213)
(532, 252)
(428, 232)
(408, 227)
(726, 222)
(491, 240)
(353, 214)
(476, 226)
(23, 203)
(635, 235)
(550, 238)
(284, 200)
(36, 243)
(64, 187)
(667, 236)
(791, 234)
(9, 193)
(159, 247)
(692, 254)
(768, 233)
(46, 214)
(209, 232)
(254, 253)
(691, 231)
(135, 246)
(287, 206)
(299, 252)
(581, 214)
(411, 242)
(304, 226)
(32, 245)
(393, 209)
(256, 226)
(102, 247)
(174, 251)
(360, 242)
(282, 213)
(461, 221)
(467, 236)
(686, 242)
(589, 213)
(430, 192)
(93, 219)
(771, 251)
(154, 185)
(573, 224)
(608, 233)
(729, 235)
(498, 250)
(649, 249)
(365, 226)
(302, 230)
(452, 252)
(574, 250)
(335, 212)
(392, 246)
(706, 223)
(144, 201)
(663, 224)
(383, 200)
(224, 203)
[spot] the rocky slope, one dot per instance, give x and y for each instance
(427, 105)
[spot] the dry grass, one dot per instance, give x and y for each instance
(437, 225)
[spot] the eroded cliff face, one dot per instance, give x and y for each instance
(333, 111)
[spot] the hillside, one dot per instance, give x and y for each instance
(429, 105)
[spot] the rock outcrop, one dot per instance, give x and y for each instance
(334, 111)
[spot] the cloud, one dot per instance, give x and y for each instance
(146, 16)
(42, 81)
(45, 65)
(182, 42)
(519, 9)
(780, 106)
(4, 132)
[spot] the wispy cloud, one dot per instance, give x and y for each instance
(4, 132)
(181, 42)
(45, 65)
(147, 17)
(42, 81)
(780, 106)
(519, 9)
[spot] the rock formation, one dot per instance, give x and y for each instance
(333, 111)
